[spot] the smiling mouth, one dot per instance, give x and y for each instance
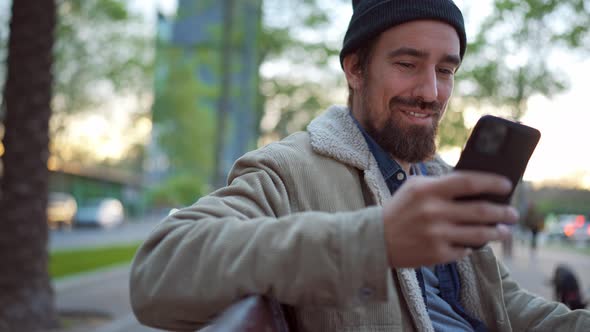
(417, 114)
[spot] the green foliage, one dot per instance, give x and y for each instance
(452, 128)
(563, 207)
(69, 262)
(183, 114)
(100, 49)
(185, 123)
(299, 103)
(178, 190)
(291, 36)
(110, 10)
(201, 92)
(510, 58)
(565, 203)
(5, 13)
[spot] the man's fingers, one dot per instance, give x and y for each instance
(469, 183)
(478, 212)
(475, 235)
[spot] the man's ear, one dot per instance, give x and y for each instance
(352, 70)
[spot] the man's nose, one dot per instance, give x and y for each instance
(427, 86)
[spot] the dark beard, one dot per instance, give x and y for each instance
(411, 144)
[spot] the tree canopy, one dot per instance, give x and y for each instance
(102, 51)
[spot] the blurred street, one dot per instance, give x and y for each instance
(130, 231)
(105, 293)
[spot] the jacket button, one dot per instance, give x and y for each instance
(366, 293)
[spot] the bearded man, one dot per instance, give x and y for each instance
(354, 222)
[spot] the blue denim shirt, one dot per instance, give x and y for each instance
(449, 283)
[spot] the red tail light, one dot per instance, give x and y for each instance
(569, 229)
(579, 221)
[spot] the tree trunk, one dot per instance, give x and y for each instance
(26, 295)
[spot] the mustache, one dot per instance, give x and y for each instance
(434, 106)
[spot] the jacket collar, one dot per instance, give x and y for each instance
(335, 135)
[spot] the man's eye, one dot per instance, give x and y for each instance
(446, 71)
(405, 64)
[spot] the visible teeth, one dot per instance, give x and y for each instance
(418, 115)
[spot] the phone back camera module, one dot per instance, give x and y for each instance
(490, 138)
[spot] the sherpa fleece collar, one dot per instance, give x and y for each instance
(334, 134)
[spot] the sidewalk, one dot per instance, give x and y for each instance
(105, 293)
(533, 270)
(102, 298)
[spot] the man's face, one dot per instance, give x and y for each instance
(403, 93)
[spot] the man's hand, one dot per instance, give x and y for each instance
(425, 225)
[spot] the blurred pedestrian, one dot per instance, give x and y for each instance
(534, 221)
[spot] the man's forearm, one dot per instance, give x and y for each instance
(193, 266)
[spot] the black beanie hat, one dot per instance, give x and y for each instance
(371, 17)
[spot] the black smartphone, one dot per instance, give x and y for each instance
(498, 146)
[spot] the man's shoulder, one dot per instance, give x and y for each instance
(293, 151)
(295, 147)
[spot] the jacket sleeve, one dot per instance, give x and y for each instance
(243, 239)
(528, 312)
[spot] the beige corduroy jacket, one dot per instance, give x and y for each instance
(301, 221)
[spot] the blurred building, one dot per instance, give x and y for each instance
(188, 88)
(87, 183)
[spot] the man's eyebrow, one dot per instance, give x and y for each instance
(452, 59)
(407, 51)
(448, 58)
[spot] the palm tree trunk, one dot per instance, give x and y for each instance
(26, 296)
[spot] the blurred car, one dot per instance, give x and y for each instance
(570, 227)
(578, 229)
(61, 209)
(554, 226)
(104, 212)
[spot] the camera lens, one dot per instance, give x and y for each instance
(490, 138)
